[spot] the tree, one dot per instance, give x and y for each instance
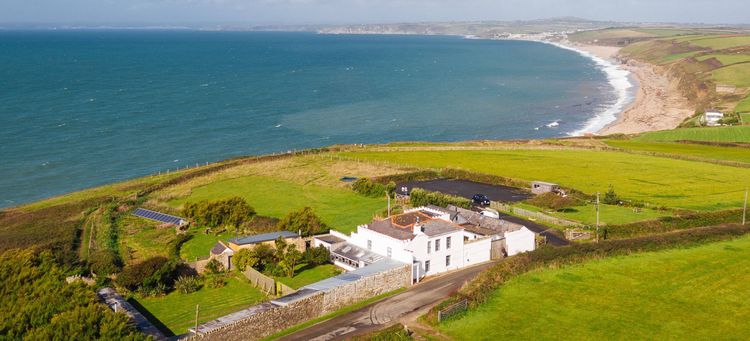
(147, 274)
(265, 255)
(304, 221)
(611, 198)
(232, 212)
(317, 255)
(244, 258)
(290, 259)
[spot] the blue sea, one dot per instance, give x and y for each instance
(85, 108)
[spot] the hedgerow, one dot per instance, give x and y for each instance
(666, 224)
(478, 290)
(420, 197)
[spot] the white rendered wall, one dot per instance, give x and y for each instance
(477, 251)
(381, 243)
(519, 241)
(437, 258)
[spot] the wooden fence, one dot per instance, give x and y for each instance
(534, 215)
(261, 281)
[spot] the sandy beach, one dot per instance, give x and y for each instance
(658, 104)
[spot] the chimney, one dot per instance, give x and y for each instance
(418, 228)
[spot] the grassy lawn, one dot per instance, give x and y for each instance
(720, 42)
(199, 245)
(608, 214)
(340, 208)
(141, 239)
(727, 59)
(737, 154)
(713, 134)
(177, 310)
(744, 108)
(700, 293)
(309, 275)
(661, 181)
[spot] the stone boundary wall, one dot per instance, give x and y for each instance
(365, 288)
(267, 318)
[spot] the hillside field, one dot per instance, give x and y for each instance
(660, 181)
(711, 134)
(735, 154)
(697, 293)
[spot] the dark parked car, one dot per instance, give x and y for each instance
(480, 199)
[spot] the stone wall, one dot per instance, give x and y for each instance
(269, 319)
(365, 288)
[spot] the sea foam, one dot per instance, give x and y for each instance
(618, 78)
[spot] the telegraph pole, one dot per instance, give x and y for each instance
(197, 309)
(744, 208)
(597, 217)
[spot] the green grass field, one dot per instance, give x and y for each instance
(608, 214)
(736, 154)
(727, 59)
(701, 293)
(720, 42)
(177, 310)
(712, 134)
(140, 239)
(661, 181)
(744, 108)
(745, 117)
(309, 275)
(738, 75)
(340, 208)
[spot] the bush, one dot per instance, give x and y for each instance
(244, 258)
(419, 197)
(611, 198)
(104, 263)
(215, 281)
(553, 201)
(155, 273)
(369, 188)
(317, 255)
(230, 212)
(304, 221)
(187, 284)
(214, 267)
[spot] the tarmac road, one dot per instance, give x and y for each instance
(379, 314)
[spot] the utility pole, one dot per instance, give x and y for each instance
(197, 309)
(597, 217)
(744, 208)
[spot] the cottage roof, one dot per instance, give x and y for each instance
(355, 253)
(219, 248)
(265, 237)
(387, 228)
(437, 227)
(329, 238)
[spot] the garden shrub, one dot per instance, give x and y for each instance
(372, 189)
(317, 255)
(553, 201)
(187, 284)
(419, 197)
(214, 267)
(233, 212)
(153, 274)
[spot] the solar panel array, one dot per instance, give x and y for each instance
(156, 216)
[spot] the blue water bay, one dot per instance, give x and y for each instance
(84, 108)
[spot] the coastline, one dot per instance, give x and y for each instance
(658, 104)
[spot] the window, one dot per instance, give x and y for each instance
(437, 245)
(426, 266)
(448, 260)
(389, 252)
(369, 244)
(429, 246)
(447, 243)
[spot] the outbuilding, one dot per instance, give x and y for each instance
(541, 187)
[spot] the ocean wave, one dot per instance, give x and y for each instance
(619, 80)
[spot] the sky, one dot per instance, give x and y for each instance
(269, 12)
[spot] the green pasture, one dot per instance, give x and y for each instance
(737, 75)
(305, 275)
(736, 154)
(340, 208)
(177, 310)
(727, 59)
(608, 214)
(709, 134)
(700, 293)
(660, 181)
(720, 42)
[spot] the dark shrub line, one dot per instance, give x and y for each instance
(666, 224)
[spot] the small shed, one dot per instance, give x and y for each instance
(712, 117)
(541, 187)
